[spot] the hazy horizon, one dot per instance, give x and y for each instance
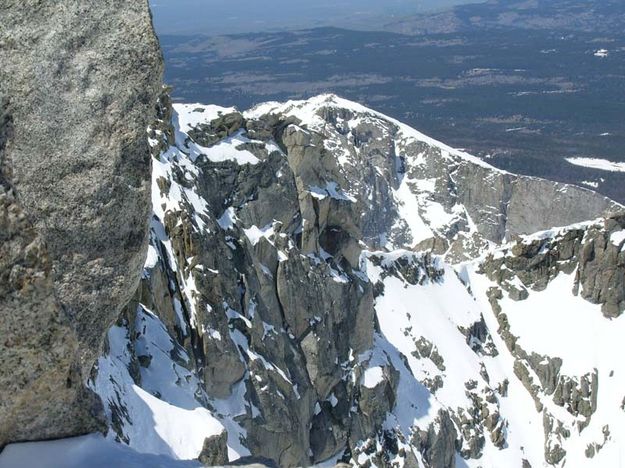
(218, 17)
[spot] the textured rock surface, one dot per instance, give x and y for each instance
(78, 85)
(324, 284)
(395, 174)
(293, 266)
(215, 450)
(594, 251)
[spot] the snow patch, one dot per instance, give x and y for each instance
(228, 219)
(192, 115)
(597, 163)
(590, 183)
(174, 423)
(617, 238)
(255, 234)
(93, 451)
(373, 377)
(331, 190)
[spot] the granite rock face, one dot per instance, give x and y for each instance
(319, 280)
(78, 86)
(395, 175)
(215, 450)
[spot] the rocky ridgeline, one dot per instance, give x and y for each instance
(592, 250)
(300, 290)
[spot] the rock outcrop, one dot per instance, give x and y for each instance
(317, 280)
(593, 251)
(78, 86)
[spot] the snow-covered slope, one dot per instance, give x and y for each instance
(93, 451)
(324, 283)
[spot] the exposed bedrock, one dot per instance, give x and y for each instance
(78, 86)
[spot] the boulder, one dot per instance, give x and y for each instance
(78, 86)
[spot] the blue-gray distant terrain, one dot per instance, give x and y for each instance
(214, 17)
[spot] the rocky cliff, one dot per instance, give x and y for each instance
(78, 87)
(324, 283)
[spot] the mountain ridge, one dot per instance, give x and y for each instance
(335, 343)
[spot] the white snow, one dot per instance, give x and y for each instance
(409, 212)
(617, 238)
(433, 311)
(590, 183)
(553, 322)
(172, 200)
(175, 423)
(191, 115)
(152, 258)
(597, 163)
(373, 376)
(183, 430)
(556, 323)
(601, 53)
(255, 234)
(553, 233)
(228, 219)
(331, 190)
(227, 150)
(93, 451)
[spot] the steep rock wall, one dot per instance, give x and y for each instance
(292, 288)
